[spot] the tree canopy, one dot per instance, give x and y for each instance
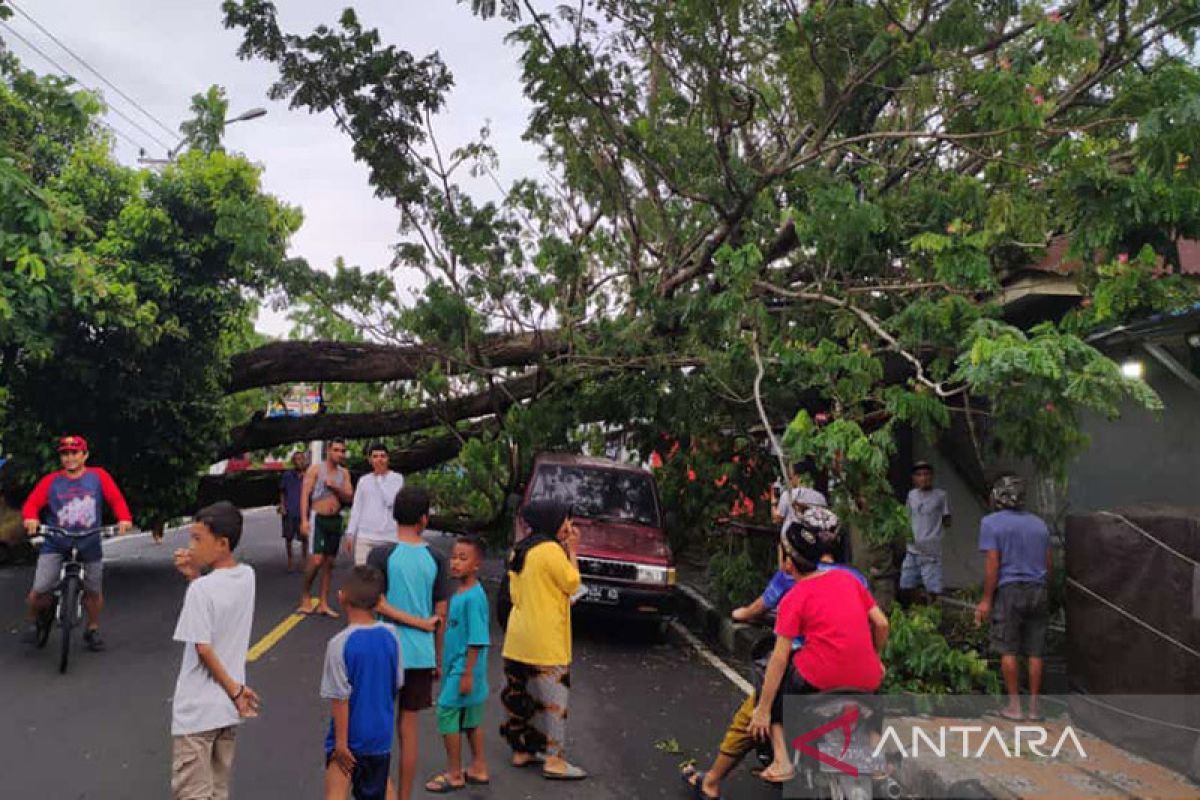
(123, 292)
(751, 209)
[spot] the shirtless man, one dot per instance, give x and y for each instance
(327, 487)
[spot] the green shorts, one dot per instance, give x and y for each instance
(327, 535)
(452, 719)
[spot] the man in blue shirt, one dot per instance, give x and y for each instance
(1017, 568)
(290, 486)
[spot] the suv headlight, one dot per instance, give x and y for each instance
(656, 576)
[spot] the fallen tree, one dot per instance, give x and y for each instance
(264, 432)
(366, 362)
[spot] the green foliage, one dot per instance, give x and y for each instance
(206, 128)
(734, 579)
(123, 292)
(920, 660)
(804, 207)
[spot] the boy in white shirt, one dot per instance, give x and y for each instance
(211, 696)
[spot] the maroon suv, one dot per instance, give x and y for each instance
(627, 566)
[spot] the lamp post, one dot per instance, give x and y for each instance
(173, 153)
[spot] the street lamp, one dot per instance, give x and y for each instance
(253, 113)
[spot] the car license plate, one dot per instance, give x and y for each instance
(603, 595)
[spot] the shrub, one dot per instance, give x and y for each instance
(919, 659)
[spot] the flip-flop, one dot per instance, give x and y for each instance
(442, 785)
(776, 781)
(1035, 717)
(571, 773)
(329, 612)
(694, 779)
(1003, 714)
(473, 781)
(304, 612)
(534, 758)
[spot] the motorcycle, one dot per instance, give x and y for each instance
(837, 761)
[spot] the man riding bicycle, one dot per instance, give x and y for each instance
(75, 497)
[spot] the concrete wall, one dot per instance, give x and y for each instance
(1142, 457)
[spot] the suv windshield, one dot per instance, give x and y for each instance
(598, 493)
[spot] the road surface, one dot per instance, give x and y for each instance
(103, 729)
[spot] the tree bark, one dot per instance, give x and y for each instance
(365, 362)
(261, 433)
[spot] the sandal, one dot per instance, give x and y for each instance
(774, 779)
(534, 758)
(443, 785)
(571, 773)
(1002, 713)
(694, 779)
(473, 781)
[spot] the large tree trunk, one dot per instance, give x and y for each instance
(364, 362)
(261, 433)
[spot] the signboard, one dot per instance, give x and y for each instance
(300, 401)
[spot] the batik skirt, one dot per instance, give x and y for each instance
(535, 698)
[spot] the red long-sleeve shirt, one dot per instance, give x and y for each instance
(76, 503)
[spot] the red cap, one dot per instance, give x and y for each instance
(72, 443)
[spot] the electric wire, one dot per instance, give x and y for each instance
(93, 70)
(67, 73)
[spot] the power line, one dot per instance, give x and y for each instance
(93, 70)
(64, 71)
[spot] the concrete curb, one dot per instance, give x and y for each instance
(734, 639)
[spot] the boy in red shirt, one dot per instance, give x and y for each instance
(844, 633)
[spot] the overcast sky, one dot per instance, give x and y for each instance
(161, 53)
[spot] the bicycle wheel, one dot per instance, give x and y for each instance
(69, 618)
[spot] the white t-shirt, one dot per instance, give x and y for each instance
(927, 509)
(371, 515)
(805, 495)
(217, 610)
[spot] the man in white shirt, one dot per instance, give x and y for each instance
(797, 497)
(929, 509)
(371, 522)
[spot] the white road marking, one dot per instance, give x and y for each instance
(712, 658)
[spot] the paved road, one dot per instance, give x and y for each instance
(103, 730)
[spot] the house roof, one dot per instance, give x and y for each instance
(1056, 261)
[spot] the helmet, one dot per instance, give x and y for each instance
(1008, 492)
(816, 532)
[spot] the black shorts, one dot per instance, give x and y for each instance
(417, 692)
(1020, 615)
(327, 535)
(370, 777)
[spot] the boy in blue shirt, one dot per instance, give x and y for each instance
(363, 674)
(464, 672)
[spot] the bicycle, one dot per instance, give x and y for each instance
(67, 603)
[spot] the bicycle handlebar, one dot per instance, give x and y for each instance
(106, 532)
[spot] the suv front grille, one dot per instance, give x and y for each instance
(617, 570)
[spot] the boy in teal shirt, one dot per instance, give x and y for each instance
(464, 672)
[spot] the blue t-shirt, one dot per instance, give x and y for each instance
(291, 484)
(781, 583)
(363, 665)
(466, 626)
(415, 579)
(1022, 539)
